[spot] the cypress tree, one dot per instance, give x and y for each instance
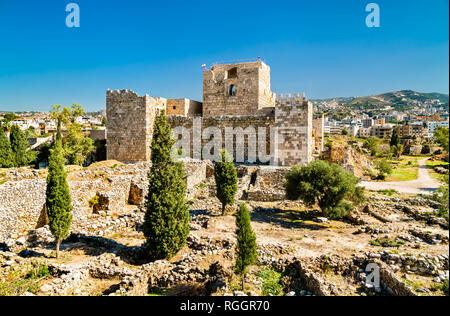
(19, 146)
(226, 180)
(58, 201)
(166, 222)
(6, 154)
(395, 139)
(246, 243)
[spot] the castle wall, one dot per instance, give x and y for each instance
(184, 107)
(251, 82)
(293, 119)
(252, 128)
(277, 132)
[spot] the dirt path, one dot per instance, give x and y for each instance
(424, 184)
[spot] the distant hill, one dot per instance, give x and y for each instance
(400, 100)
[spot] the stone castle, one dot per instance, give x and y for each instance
(236, 98)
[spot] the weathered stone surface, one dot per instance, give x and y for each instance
(22, 202)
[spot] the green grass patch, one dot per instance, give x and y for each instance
(17, 282)
(436, 163)
(159, 292)
(390, 192)
(387, 243)
(404, 169)
(271, 282)
(403, 174)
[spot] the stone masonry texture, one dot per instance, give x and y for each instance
(237, 99)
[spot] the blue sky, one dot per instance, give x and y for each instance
(321, 47)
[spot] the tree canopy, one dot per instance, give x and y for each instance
(166, 221)
(76, 146)
(441, 135)
(226, 180)
(331, 187)
(6, 153)
(58, 201)
(246, 242)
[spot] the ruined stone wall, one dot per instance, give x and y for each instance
(269, 185)
(116, 188)
(293, 120)
(130, 120)
(251, 82)
(318, 129)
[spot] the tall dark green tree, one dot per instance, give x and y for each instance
(166, 224)
(226, 180)
(19, 146)
(246, 243)
(6, 154)
(58, 201)
(395, 139)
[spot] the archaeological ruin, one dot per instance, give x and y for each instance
(239, 113)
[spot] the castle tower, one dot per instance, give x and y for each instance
(130, 120)
(237, 89)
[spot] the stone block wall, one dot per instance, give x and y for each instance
(293, 120)
(130, 125)
(184, 107)
(252, 128)
(318, 131)
(268, 186)
(97, 134)
(115, 188)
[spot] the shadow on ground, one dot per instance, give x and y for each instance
(289, 218)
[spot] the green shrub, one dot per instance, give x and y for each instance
(331, 187)
(444, 287)
(384, 166)
(39, 272)
(442, 196)
(270, 282)
(94, 201)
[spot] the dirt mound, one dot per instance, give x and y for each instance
(350, 157)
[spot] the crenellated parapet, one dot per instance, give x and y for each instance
(288, 99)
